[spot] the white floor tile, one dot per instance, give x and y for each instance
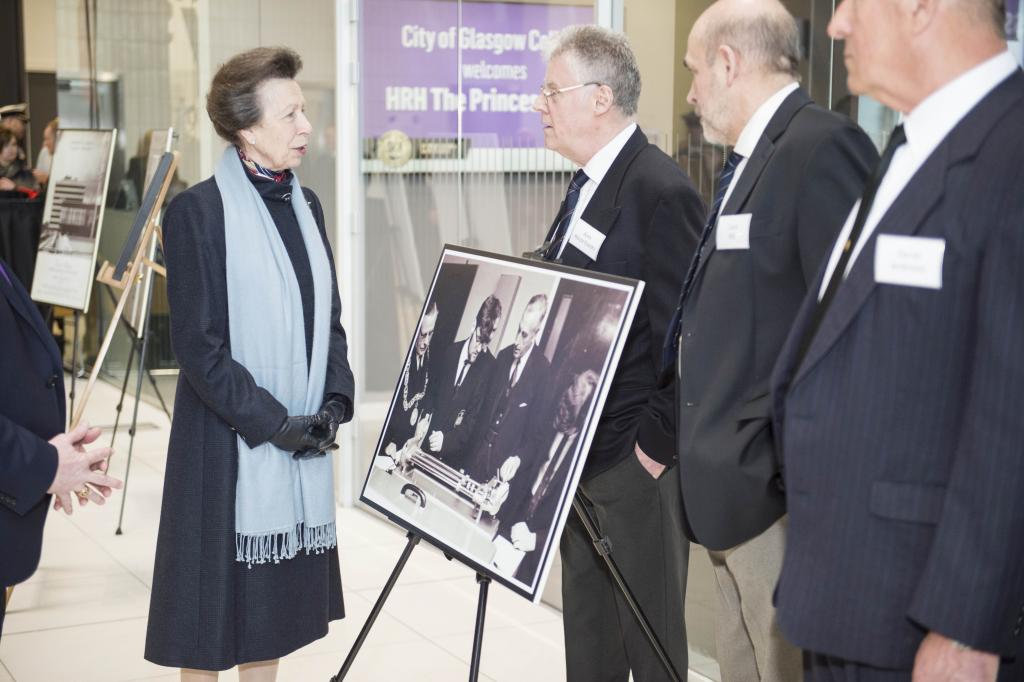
(100, 652)
(420, 661)
(513, 654)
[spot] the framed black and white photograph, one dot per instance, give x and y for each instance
(72, 217)
(496, 404)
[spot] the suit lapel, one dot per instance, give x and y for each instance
(756, 164)
(910, 211)
(603, 210)
(23, 306)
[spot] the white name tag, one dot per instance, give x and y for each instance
(733, 232)
(909, 261)
(587, 239)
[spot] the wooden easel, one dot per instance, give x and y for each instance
(133, 274)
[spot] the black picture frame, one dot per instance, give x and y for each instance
(451, 499)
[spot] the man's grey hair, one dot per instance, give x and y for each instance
(603, 56)
(991, 12)
(537, 301)
(770, 39)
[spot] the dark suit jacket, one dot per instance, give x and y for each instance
(651, 216)
(401, 427)
(31, 412)
(537, 510)
(901, 430)
(803, 176)
(502, 434)
(456, 410)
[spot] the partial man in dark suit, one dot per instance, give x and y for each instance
(513, 396)
(794, 171)
(897, 395)
(414, 384)
(460, 389)
(529, 511)
(37, 458)
(631, 211)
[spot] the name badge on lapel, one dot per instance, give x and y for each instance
(909, 261)
(733, 232)
(587, 239)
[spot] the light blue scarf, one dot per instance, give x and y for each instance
(282, 505)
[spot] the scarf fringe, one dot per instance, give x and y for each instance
(275, 546)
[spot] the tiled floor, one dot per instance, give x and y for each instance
(82, 616)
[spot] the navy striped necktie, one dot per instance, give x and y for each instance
(572, 196)
(671, 344)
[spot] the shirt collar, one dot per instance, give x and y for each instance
(599, 164)
(752, 132)
(523, 358)
(464, 353)
(932, 120)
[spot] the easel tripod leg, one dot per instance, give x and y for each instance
(135, 419)
(603, 546)
(124, 390)
(74, 363)
(412, 541)
(478, 633)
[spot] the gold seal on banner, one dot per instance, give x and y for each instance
(394, 148)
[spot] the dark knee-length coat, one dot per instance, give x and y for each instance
(208, 611)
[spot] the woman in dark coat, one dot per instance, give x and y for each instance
(246, 561)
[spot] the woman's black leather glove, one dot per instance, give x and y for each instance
(296, 434)
(324, 428)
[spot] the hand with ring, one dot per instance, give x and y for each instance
(81, 471)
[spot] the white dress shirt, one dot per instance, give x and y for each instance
(463, 356)
(752, 132)
(596, 169)
(925, 127)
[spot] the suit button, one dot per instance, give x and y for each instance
(52, 381)
(689, 335)
(689, 403)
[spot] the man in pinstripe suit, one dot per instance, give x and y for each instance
(898, 393)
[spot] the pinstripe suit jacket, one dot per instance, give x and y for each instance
(901, 432)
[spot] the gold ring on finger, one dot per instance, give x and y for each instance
(83, 494)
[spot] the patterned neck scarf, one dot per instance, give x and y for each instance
(258, 170)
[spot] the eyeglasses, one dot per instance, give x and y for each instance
(549, 93)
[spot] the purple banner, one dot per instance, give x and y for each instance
(410, 68)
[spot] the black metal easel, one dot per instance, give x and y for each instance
(478, 634)
(74, 362)
(603, 546)
(142, 346)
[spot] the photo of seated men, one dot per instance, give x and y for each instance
(492, 408)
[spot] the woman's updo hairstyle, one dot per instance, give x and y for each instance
(233, 102)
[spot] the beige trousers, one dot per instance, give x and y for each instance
(750, 646)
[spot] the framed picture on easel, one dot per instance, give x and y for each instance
(495, 408)
(72, 218)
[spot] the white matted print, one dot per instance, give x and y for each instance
(496, 405)
(72, 216)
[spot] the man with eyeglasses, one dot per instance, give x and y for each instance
(631, 211)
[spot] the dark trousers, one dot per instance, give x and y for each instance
(643, 519)
(821, 668)
(3, 608)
